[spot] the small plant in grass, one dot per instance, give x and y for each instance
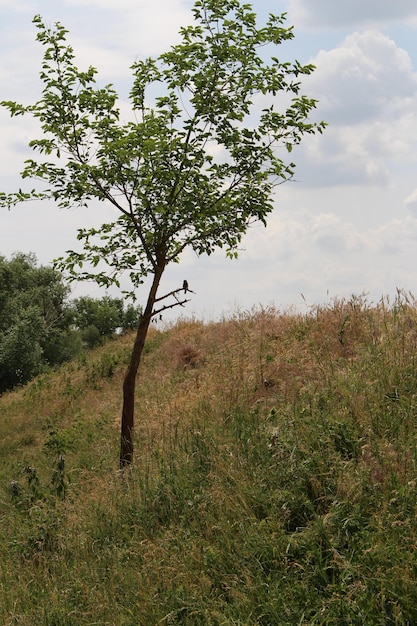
(188, 357)
(32, 492)
(103, 369)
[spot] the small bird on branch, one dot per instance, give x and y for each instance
(185, 286)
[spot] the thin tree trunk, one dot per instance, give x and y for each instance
(129, 383)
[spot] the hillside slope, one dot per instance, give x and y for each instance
(274, 478)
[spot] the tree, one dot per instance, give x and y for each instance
(35, 321)
(100, 319)
(40, 327)
(193, 168)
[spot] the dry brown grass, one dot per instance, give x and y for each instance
(272, 450)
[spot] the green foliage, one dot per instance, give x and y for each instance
(34, 320)
(100, 319)
(102, 369)
(39, 327)
(20, 349)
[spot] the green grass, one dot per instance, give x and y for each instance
(274, 479)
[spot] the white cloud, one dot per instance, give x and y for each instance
(367, 92)
(345, 13)
(334, 236)
(411, 202)
(17, 6)
(367, 76)
(340, 158)
(327, 252)
(140, 28)
(105, 34)
(394, 236)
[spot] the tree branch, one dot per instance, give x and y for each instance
(169, 306)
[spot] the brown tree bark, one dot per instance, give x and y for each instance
(129, 383)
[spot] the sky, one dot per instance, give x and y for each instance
(345, 226)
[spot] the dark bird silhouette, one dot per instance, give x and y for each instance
(185, 286)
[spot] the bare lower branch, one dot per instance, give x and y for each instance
(169, 306)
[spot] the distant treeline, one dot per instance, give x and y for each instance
(41, 327)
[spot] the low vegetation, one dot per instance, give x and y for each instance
(274, 481)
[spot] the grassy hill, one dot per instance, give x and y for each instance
(274, 480)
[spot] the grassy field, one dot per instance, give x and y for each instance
(274, 481)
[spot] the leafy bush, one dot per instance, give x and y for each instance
(39, 327)
(34, 320)
(101, 319)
